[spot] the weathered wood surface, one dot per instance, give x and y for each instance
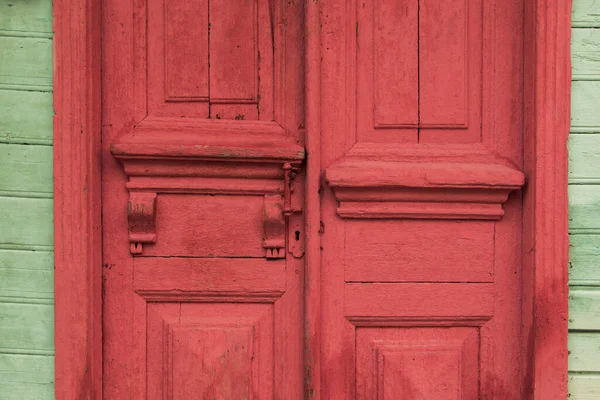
(26, 257)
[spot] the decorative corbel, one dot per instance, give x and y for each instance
(274, 227)
(141, 215)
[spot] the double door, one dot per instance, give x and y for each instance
(259, 245)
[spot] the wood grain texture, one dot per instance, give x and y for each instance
(584, 103)
(584, 313)
(19, 124)
(584, 209)
(583, 352)
(585, 54)
(30, 18)
(25, 171)
(27, 328)
(584, 386)
(31, 66)
(584, 260)
(584, 159)
(26, 377)
(27, 276)
(29, 221)
(585, 14)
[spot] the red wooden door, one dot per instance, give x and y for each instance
(207, 290)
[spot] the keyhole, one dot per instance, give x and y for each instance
(297, 236)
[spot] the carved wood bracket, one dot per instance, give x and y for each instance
(141, 215)
(412, 190)
(245, 158)
(274, 227)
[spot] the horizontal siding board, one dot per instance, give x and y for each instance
(26, 17)
(25, 170)
(585, 97)
(584, 266)
(584, 309)
(25, 377)
(584, 387)
(26, 327)
(26, 117)
(585, 13)
(26, 275)
(585, 54)
(25, 222)
(584, 348)
(30, 65)
(584, 158)
(584, 208)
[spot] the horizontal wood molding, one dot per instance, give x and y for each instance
(206, 157)
(412, 190)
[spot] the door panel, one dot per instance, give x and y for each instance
(420, 206)
(202, 132)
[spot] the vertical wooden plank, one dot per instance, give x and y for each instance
(77, 206)
(312, 219)
(545, 311)
(443, 55)
(186, 50)
(233, 51)
(396, 64)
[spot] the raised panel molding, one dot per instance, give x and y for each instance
(417, 67)
(201, 350)
(442, 363)
(417, 363)
(421, 190)
(225, 352)
(246, 158)
(203, 59)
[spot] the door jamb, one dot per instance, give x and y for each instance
(77, 199)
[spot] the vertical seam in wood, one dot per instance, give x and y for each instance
(418, 71)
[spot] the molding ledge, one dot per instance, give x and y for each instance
(155, 161)
(250, 162)
(411, 190)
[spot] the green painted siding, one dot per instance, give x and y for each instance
(26, 257)
(584, 204)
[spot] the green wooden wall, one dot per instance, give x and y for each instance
(584, 200)
(26, 258)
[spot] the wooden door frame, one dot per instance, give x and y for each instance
(77, 198)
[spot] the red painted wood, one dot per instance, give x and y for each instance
(464, 166)
(202, 298)
(77, 200)
(546, 243)
(397, 262)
